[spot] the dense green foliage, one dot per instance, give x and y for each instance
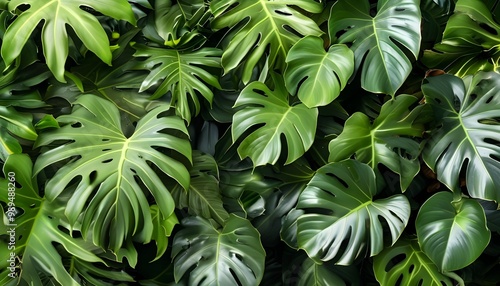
(250, 142)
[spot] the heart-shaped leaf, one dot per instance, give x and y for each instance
(452, 234)
(270, 110)
(267, 24)
(111, 169)
(230, 256)
(321, 74)
(388, 140)
(404, 263)
(466, 133)
(183, 74)
(341, 216)
(380, 43)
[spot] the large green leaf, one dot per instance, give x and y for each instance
(342, 218)
(230, 256)
(470, 41)
(112, 170)
(56, 16)
(388, 140)
(183, 74)
(35, 228)
(452, 234)
(322, 75)
(406, 264)
(466, 133)
(380, 43)
(258, 25)
(274, 116)
(203, 197)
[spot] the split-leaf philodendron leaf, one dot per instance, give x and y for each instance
(112, 170)
(342, 216)
(380, 43)
(57, 15)
(466, 133)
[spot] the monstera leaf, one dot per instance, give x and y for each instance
(112, 170)
(36, 228)
(387, 140)
(230, 256)
(452, 234)
(466, 133)
(380, 43)
(406, 264)
(470, 41)
(341, 216)
(322, 74)
(162, 229)
(174, 23)
(261, 24)
(181, 74)
(270, 108)
(14, 123)
(203, 197)
(56, 15)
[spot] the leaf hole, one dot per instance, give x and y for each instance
(235, 277)
(341, 181)
(107, 161)
(105, 140)
(395, 261)
(283, 13)
(488, 28)
(489, 99)
(76, 125)
(107, 149)
(93, 176)
(398, 9)
(293, 31)
(495, 157)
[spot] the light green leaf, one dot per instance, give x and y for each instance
(388, 140)
(470, 41)
(452, 234)
(230, 256)
(261, 24)
(35, 229)
(270, 108)
(203, 197)
(313, 274)
(162, 229)
(14, 123)
(181, 74)
(380, 43)
(342, 219)
(466, 133)
(322, 74)
(112, 170)
(56, 16)
(406, 264)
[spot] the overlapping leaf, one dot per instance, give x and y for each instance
(452, 234)
(380, 43)
(270, 109)
(470, 41)
(56, 16)
(387, 140)
(230, 256)
(36, 228)
(321, 74)
(259, 24)
(466, 133)
(203, 197)
(183, 74)
(112, 170)
(405, 263)
(342, 218)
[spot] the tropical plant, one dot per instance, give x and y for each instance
(249, 142)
